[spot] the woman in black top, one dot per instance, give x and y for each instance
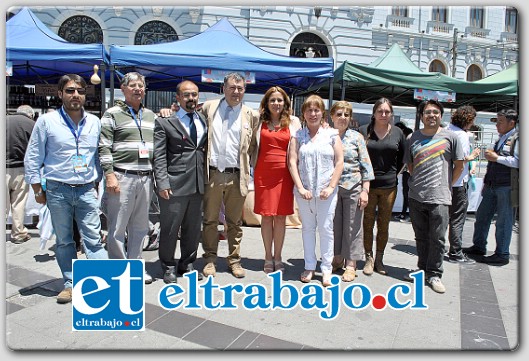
(385, 144)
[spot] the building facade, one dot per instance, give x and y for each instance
(464, 42)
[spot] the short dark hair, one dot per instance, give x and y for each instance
(424, 103)
(65, 79)
(510, 114)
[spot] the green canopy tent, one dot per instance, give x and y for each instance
(393, 75)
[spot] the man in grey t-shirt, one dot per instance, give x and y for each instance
(435, 160)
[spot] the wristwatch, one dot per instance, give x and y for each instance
(39, 194)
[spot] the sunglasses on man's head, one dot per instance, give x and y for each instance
(80, 91)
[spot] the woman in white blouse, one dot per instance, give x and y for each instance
(315, 161)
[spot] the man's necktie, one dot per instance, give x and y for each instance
(192, 128)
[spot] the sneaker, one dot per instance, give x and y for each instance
(237, 270)
(405, 219)
(495, 260)
(461, 259)
(209, 269)
(147, 278)
(65, 296)
(473, 250)
(436, 284)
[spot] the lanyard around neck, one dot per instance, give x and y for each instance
(138, 122)
(76, 134)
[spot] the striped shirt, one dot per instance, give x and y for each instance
(122, 136)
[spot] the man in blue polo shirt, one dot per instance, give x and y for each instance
(64, 144)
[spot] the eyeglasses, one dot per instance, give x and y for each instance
(80, 91)
(432, 111)
(189, 95)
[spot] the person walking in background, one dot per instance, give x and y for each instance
(274, 197)
(462, 119)
(500, 192)
(18, 131)
(405, 176)
(64, 144)
(315, 161)
(126, 151)
(231, 128)
(353, 193)
(435, 160)
(179, 149)
(385, 144)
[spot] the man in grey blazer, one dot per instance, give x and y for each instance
(179, 149)
(231, 128)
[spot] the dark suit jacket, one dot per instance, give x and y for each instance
(178, 162)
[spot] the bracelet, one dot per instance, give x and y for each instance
(39, 194)
(364, 190)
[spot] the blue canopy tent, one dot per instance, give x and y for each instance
(38, 55)
(220, 47)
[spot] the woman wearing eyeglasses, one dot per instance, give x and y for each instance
(315, 161)
(385, 145)
(352, 193)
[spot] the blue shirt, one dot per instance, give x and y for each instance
(52, 147)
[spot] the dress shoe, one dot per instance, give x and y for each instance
(189, 268)
(169, 276)
(65, 296)
(21, 240)
(473, 250)
(495, 260)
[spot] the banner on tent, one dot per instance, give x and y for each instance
(217, 76)
(442, 96)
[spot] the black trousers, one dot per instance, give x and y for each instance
(180, 212)
(458, 214)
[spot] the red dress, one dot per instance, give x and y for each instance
(274, 187)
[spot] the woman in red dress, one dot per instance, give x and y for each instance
(274, 197)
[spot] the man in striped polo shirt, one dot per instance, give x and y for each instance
(126, 154)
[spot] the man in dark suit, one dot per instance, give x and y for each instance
(179, 147)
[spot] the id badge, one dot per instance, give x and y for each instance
(143, 151)
(79, 163)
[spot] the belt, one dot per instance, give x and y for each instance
(136, 172)
(226, 170)
(73, 185)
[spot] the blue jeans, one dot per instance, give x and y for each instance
(67, 203)
(496, 200)
(429, 222)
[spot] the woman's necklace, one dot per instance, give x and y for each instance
(274, 126)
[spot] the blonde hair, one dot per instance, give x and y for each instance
(313, 100)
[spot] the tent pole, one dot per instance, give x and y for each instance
(103, 88)
(331, 91)
(343, 89)
(111, 100)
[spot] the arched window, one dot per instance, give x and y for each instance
(155, 32)
(474, 73)
(308, 45)
(437, 66)
(81, 29)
